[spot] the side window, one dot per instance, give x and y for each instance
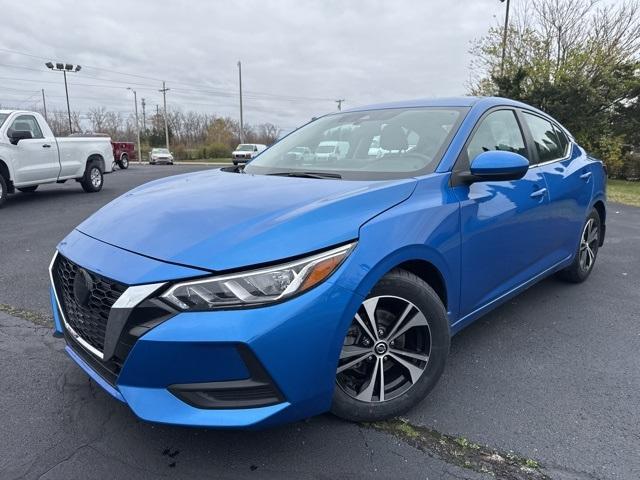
(545, 137)
(498, 131)
(26, 123)
(564, 141)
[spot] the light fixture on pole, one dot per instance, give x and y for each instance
(135, 101)
(64, 68)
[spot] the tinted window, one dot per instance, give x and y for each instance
(497, 131)
(564, 141)
(548, 145)
(26, 123)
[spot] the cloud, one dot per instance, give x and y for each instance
(297, 56)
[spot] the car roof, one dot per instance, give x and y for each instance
(486, 102)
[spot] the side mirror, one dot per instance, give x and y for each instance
(495, 165)
(18, 135)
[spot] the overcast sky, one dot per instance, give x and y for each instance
(297, 56)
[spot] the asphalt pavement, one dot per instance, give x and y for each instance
(552, 377)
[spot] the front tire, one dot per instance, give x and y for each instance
(394, 352)
(585, 257)
(124, 162)
(93, 179)
(30, 189)
(3, 190)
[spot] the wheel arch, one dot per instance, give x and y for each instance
(424, 262)
(602, 212)
(97, 158)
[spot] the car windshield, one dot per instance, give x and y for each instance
(3, 117)
(160, 150)
(373, 144)
(245, 148)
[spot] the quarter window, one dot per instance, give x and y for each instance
(26, 123)
(498, 131)
(548, 144)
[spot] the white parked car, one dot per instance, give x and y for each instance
(301, 154)
(160, 155)
(31, 155)
(246, 151)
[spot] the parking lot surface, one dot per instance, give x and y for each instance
(553, 376)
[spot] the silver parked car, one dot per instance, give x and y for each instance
(160, 155)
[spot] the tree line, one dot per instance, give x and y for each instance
(192, 135)
(578, 60)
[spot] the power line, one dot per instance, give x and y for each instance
(202, 87)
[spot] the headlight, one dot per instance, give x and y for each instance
(260, 286)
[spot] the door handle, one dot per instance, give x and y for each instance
(586, 176)
(538, 193)
(46, 145)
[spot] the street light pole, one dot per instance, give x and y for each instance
(339, 102)
(44, 105)
(241, 119)
(135, 101)
(64, 68)
(66, 91)
(504, 37)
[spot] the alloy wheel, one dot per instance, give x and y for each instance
(96, 178)
(385, 351)
(588, 245)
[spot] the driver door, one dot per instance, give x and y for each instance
(505, 239)
(35, 159)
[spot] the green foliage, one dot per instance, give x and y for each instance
(578, 63)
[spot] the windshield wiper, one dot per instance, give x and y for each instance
(307, 174)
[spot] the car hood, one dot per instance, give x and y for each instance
(221, 220)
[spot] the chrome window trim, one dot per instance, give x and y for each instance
(130, 298)
(570, 141)
(562, 159)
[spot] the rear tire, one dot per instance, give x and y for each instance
(30, 189)
(93, 179)
(585, 257)
(403, 358)
(124, 162)
(3, 190)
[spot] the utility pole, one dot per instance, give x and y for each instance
(135, 101)
(166, 125)
(504, 37)
(241, 119)
(339, 102)
(44, 104)
(144, 116)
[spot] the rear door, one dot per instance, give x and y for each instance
(503, 223)
(36, 158)
(567, 173)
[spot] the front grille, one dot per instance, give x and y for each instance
(87, 319)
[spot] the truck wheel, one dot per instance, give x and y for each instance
(30, 189)
(3, 190)
(124, 162)
(92, 180)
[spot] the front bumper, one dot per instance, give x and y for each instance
(292, 347)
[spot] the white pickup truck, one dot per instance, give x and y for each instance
(31, 155)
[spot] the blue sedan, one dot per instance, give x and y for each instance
(304, 284)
